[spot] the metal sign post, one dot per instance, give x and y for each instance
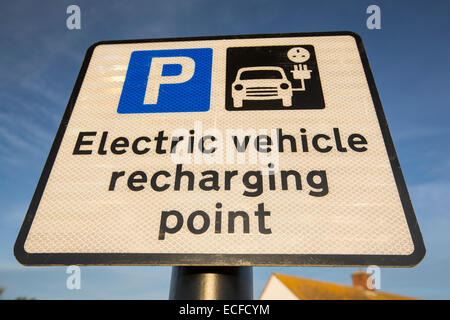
(211, 283)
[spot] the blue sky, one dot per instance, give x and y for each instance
(40, 60)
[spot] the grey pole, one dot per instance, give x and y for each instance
(211, 283)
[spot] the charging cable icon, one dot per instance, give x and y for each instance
(301, 72)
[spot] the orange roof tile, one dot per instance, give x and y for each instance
(307, 289)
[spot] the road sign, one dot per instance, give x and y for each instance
(236, 150)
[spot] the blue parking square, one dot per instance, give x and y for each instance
(160, 81)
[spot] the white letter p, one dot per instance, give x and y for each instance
(155, 77)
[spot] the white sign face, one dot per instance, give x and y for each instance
(246, 150)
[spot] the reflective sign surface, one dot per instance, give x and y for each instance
(247, 150)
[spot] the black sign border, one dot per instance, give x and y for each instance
(45, 259)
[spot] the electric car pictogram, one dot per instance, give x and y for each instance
(261, 83)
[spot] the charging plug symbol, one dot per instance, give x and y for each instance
(301, 72)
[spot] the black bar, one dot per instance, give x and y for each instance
(211, 283)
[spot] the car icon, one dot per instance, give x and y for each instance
(261, 83)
